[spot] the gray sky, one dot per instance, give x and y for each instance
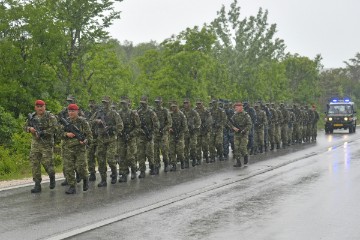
(308, 27)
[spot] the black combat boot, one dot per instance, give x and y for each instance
(92, 177)
(114, 176)
(266, 147)
(123, 178)
(173, 168)
(226, 157)
(246, 159)
(193, 162)
(198, 162)
(207, 159)
(261, 149)
(133, 174)
(52, 182)
(166, 166)
(187, 164)
(65, 183)
(182, 164)
(278, 146)
(142, 174)
(156, 170)
(272, 147)
(238, 163)
(37, 188)
(71, 190)
(85, 184)
(103, 182)
(78, 178)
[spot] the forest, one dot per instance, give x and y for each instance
(52, 49)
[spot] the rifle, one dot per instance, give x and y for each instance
(107, 129)
(34, 123)
(145, 128)
(69, 127)
(175, 131)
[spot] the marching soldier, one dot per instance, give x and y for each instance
(216, 134)
(42, 125)
(202, 148)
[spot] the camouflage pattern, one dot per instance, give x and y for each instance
(42, 149)
(259, 129)
(109, 126)
(271, 126)
(243, 122)
(177, 132)
(228, 131)
(304, 123)
(309, 124)
(93, 144)
(127, 145)
(314, 124)
(266, 126)
(292, 120)
(216, 135)
(190, 137)
(149, 127)
(277, 126)
(161, 143)
(251, 111)
(202, 148)
(284, 124)
(74, 153)
(297, 124)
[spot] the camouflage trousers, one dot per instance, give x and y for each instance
(296, 136)
(75, 160)
(251, 138)
(44, 157)
(176, 149)
(284, 130)
(271, 132)
(240, 145)
(127, 152)
(145, 151)
(216, 143)
(161, 147)
(259, 137)
(202, 147)
(106, 154)
(309, 131)
(314, 131)
(277, 133)
(190, 140)
(304, 131)
(92, 157)
(228, 140)
(290, 134)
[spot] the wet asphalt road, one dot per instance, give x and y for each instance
(308, 191)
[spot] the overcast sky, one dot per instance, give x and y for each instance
(308, 27)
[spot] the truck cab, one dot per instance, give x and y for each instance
(340, 114)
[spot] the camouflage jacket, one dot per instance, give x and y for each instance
(206, 120)
(149, 123)
(179, 123)
(193, 120)
(131, 121)
(242, 121)
(111, 123)
(165, 121)
(261, 119)
(82, 124)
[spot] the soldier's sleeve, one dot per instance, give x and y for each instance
(209, 120)
(197, 123)
(119, 123)
(156, 123)
(184, 124)
(265, 119)
(136, 123)
(168, 121)
(52, 127)
(87, 131)
(248, 123)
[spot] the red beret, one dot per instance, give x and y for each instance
(73, 106)
(39, 102)
(238, 104)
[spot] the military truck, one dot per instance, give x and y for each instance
(340, 114)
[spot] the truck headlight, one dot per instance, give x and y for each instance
(345, 118)
(330, 119)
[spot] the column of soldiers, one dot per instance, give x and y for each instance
(123, 139)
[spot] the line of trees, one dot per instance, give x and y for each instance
(50, 49)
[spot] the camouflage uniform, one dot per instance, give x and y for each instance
(310, 123)
(277, 126)
(42, 147)
(127, 146)
(241, 123)
(190, 137)
(291, 123)
(203, 139)
(228, 131)
(314, 124)
(177, 131)
(109, 124)
(93, 143)
(149, 127)
(161, 143)
(74, 153)
(304, 123)
(259, 129)
(271, 126)
(284, 124)
(216, 135)
(266, 126)
(251, 111)
(297, 123)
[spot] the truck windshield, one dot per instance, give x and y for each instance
(340, 109)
